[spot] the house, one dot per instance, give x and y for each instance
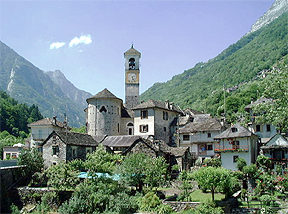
(263, 130)
(277, 150)
(66, 146)
(12, 152)
(199, 136)
(236, 142)
(155, 118)
(41, 129)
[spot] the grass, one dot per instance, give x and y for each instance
(199, 196)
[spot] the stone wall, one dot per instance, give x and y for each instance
(178, 206)
(104, 122)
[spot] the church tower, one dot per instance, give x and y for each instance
(132, 57)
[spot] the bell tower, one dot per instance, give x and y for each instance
(132, 57)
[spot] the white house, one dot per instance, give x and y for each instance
(263, 130)
(155, 118)
(236, 142)
(41, 129)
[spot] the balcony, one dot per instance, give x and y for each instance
(231, 148)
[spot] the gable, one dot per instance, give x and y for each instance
(277, 140)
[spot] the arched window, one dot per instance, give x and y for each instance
(130, 128)
(131, 64)
(103, 109)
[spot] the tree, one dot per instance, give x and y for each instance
(139, 169)
(276, 85)
(212, 178)
(101, 161)
(62, 176)
(241, 163)
(33, 161)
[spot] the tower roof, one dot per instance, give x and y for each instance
(132, 51)
(104, 94)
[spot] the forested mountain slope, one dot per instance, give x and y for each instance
(28, 84)
(239, 63)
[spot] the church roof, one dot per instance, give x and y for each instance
(234, 131)
(132, 51)
(104, 94)
(120, 140)
(157, 104)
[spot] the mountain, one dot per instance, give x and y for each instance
(73, 93)
(277, 9)
(238, 64)
(28, 84)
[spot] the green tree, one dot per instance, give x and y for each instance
(276, 85)
(101, 161)
(62, 176)
(33, 161)
(212, 178)
(241, 163)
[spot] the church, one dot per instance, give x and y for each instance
(107, 115)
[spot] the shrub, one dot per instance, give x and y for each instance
(149, 202)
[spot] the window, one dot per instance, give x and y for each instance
(103, 109)
(144, 114)
(8, 156)
(165, 115)
(235, 158)
(258, 128)
(164, 129)
(55, 150)
(130, 128)
(74, 152)
(209, 135)
(143, 128)
(235, 145)
(40, 134)
(268, 128)
(131, 64)
(186, 137)
(210, 147)
(88, 150)
(118, 127)
(234, 129)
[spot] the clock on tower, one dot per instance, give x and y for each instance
(132, 57)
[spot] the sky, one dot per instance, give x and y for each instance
(86, 39)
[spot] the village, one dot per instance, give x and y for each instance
(184, 139)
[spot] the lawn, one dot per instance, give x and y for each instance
(200, 196)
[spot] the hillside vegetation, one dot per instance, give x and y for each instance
(14, 116)
(201, 87)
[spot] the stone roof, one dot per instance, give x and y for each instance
(127, 113)
(121, 140)
(261, 100)
(105, 93)
(158, 104)
(47, 121)
(235, 131)
(73, 138)
(132, 51)
(210, 124)
(277, 141)
(190, 111)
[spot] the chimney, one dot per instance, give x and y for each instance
(54, 120)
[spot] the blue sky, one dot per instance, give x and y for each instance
(86, 39)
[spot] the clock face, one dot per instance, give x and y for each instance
(132, 77)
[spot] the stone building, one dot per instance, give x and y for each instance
(236, 142)
(66, 146)
(132, 79)
(41, 129)
(155, 118)
(106, 115)
(199, 136)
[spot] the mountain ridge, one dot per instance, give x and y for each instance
(28, 84)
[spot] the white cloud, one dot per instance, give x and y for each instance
(84, 39)
(56, 45)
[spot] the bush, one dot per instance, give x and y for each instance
(149, 202)
(14, 209)
(214, 162)
(164, 209)
(241, 163)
